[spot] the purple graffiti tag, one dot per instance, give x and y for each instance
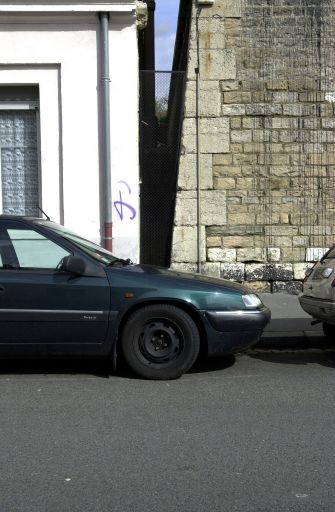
(121, 204)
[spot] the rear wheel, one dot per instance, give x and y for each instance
(329, 331)
(160, 342)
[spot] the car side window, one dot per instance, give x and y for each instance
(34, 251)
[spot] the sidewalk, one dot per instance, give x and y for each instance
(289, 323)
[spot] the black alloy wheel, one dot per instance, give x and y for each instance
(160, 342)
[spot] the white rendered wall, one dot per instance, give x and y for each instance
(124, 142)
(62, 59)
(48, 80)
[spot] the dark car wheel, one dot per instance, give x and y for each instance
(160, 342)
(329, 331)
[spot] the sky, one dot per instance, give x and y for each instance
(166, 22)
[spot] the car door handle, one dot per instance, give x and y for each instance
(2, 288)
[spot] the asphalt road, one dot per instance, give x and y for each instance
(255, 433)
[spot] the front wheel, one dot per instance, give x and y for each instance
(329, 331)
(160, 342)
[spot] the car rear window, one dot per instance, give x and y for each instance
(330, 253)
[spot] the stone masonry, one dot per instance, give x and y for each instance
(266, 136)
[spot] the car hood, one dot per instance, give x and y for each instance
(190, 279)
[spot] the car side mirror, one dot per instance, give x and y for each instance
(73, 265)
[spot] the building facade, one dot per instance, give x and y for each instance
(255, 199)
(58, 65)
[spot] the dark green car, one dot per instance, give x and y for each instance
(61, 295)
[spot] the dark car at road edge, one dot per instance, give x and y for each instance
(61, 295)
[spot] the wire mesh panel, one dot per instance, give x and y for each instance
(19, 162)
(160, 122)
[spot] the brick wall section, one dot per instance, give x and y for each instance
(266, 107)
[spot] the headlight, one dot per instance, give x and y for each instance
(327, 272)
(251, 301)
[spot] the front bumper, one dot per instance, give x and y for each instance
(229, 332)
(320, 309)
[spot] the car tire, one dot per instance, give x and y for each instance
(329, 331)
(160, 342)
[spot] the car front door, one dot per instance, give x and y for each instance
(42, 305)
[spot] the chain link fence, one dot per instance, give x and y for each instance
(161, 110)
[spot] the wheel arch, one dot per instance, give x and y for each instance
(190, 310)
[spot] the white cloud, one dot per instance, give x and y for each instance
(163, 29)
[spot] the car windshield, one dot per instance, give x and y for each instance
(329, 254)
(95, 251)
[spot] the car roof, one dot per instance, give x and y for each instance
(7, 216)
(20, 217)
(26, 219)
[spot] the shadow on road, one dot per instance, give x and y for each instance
(98, 368)
(213, 364)
(203, 365)
(322, 354)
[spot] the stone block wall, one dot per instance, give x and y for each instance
(266, 134)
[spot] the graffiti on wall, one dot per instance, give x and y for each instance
(123, 206)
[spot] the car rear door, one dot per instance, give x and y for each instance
(41, 305)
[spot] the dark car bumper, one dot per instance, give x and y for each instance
(229, 332)
(320, 309)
